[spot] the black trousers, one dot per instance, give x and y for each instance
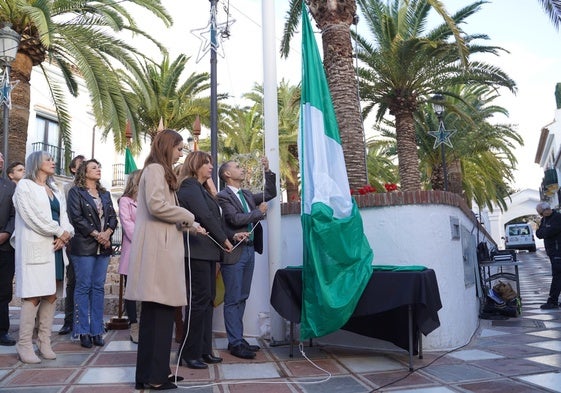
(7, 268)
(154, 343)
(70, 285)
(555, 288)
(201, 304)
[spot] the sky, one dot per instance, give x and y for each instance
(521, 27)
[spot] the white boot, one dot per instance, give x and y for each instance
(134, 332)
(24, 346)
(46, 315)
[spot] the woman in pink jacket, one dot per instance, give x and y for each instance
(127, 217)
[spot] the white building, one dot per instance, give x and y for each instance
(548, 156)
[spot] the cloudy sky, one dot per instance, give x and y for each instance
(521, 27)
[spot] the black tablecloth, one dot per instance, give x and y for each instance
(382, 311)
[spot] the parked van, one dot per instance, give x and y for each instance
(520, 237)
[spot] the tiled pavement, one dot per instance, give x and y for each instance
(517, 355)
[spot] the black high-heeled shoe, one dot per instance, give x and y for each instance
(210, 358)
(194, 364)
(172, 378)
(98, 340)
(86, 340)
(165, 386)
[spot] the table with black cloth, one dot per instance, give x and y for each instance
(395, 306)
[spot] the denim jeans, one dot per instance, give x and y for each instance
(90, 272)
(237, 284)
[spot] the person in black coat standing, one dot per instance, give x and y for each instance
(202, 253)
(242, 210)
(550, 231)
(91, 212)
(7, 257)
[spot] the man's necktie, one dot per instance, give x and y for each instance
(246, 209)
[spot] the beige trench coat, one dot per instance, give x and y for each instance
(156, 265)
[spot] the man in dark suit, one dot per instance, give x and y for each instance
(242, 211)
(7, 260)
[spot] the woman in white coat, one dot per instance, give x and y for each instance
(41, 232)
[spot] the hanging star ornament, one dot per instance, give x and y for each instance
(442, 136)
(203, 34)
(6, 90)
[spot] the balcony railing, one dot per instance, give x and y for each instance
(550, 182)
(58, 154)
(118, 175)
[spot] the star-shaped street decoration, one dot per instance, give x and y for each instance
(442, 136)
(203, 34)
(5, 90)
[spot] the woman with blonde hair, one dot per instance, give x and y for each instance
(156, 274)
(42, 230)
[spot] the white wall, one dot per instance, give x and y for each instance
(399, 235)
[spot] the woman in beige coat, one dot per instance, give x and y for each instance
(156, 269)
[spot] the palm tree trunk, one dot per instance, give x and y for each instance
(292, 194)
(19, 114)
(334, 20)
(407, 154)
(455, 176)
(344, 91)
(437, 177)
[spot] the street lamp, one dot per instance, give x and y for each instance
(9, 43)
(196, 133)
(442, 137)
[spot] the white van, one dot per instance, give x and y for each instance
(519, 237)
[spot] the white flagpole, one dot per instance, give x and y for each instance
(272, 151)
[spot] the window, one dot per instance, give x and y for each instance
(47, 131)
(47, 138)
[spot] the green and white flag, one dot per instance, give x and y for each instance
(337, 256)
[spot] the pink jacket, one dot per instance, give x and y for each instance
(127, 217)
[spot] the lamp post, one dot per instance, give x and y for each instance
(196, 133)
(9, 43)
(442, 137)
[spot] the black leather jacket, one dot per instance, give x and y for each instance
(83, 216)
(550, 232)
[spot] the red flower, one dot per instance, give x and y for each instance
(390, 187)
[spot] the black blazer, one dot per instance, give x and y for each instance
(83, 216)
(236, 219)
(7, 211)
(193, 197)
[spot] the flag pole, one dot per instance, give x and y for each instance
(270, 114)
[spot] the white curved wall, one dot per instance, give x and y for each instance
(399, 235)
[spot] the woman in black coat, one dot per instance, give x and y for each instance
(201, 255)
(91, 213)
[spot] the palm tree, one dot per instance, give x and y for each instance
(553, 9)
(288, 98)
(483, 152)
(79, 37)
(241, 131)
(405, 66)
(334, 19)
(159, 95)
(380, 162)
